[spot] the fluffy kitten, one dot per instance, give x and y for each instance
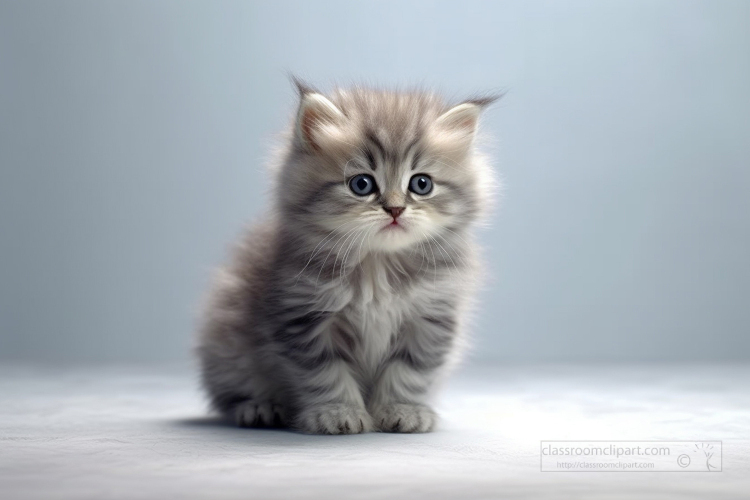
(342, 309)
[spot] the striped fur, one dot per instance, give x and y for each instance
(328, 319)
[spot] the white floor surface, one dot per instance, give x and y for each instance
(141, 432)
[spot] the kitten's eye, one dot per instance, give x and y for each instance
(362, 184)
(420, 184)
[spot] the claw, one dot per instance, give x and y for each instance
(395, 426)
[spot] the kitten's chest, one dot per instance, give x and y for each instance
(378, 306)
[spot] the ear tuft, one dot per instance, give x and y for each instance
(301, 86)
(316, 114)
(485, 100)
(462, 118)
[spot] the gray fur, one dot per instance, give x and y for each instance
(328, 320)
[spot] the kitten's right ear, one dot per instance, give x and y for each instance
(317, 117)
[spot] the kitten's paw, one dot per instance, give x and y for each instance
(401, 417)
(258, 414)
(334, 419)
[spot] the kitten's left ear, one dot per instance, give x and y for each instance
(463, 118)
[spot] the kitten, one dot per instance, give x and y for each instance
(341, 311)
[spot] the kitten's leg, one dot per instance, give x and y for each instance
(398, 404)
(231, 352)
(326, 397)
(329, 401)
(399, 400)
(238, 391)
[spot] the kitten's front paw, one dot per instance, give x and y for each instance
(401, 417)
(334, 419)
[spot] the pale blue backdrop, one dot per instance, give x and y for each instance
(132, 138)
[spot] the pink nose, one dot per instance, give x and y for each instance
(394, 211)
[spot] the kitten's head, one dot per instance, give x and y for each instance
(390, 169)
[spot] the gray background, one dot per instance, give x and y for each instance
(132, 138)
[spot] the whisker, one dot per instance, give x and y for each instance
(351, 234)
(364, 237)
(444, 252)
(421, 245)
(457, 169)
(329, 254)
(459, 236)
(434, 267)
(346, 254)
(455, 266)
(363, 233)
(315, 250)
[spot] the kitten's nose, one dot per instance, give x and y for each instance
(394, 211)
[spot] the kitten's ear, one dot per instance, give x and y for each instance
(463, 118)
(317, 116)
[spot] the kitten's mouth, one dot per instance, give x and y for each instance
(394, 224)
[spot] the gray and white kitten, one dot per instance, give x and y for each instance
(341, 311)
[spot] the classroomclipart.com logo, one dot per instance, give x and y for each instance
(630, 456)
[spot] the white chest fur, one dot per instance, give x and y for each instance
(376, 311)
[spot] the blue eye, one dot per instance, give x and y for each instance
(420, 184)
(362, 184)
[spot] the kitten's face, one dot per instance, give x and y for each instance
(384, 172)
